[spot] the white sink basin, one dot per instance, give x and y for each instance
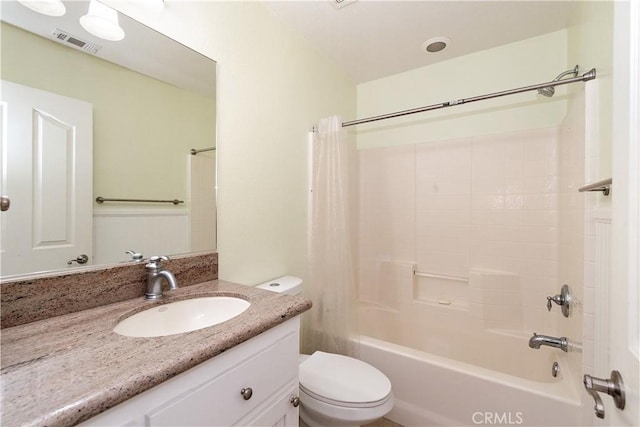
(181, 316)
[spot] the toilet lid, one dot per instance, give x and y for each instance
(343, 379)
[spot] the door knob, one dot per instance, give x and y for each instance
(614, 387)
(295, 401)
(5, 203)
(81, 259)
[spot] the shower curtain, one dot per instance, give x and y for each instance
(331, 324)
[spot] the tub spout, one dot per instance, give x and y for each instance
(538, 340)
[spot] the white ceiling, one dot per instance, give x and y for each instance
(371, 39)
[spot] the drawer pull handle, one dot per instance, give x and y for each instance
(295, 401)
(246, 393)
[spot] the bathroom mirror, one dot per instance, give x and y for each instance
(152, 101)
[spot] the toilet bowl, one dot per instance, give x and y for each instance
(336, 390)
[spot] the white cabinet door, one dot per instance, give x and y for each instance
(279, 411)
(47, 157)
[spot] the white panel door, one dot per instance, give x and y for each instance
(47, 149)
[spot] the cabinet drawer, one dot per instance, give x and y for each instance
(219, 401)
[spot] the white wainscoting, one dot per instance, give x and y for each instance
(148, 231)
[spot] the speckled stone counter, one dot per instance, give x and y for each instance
(51, 294)
(66, 369)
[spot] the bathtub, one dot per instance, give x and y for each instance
(470, 377)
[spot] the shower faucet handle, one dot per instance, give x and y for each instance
(563, 299)
(549, 303)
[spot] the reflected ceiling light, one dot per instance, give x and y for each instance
(102, 21)
(46, 7)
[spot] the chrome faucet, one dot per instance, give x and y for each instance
(538, 340)
(155, 274)
(135, 256)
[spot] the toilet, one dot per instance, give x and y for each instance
(336, 390)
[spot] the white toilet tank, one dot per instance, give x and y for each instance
(289, 285)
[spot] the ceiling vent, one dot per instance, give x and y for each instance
(338, 4)
(65, 37)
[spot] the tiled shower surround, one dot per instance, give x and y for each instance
(484, 210)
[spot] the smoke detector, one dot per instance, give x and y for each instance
(339, 4)
(435, 44)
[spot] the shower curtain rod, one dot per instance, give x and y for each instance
(589, 75)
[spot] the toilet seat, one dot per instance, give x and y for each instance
(317, 413)
(343, 381)
(355, 405)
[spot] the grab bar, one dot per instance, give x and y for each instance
(442, 276)
(194, 151)
(604, 186)
(101, 200)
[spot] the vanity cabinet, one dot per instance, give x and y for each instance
(251, 384)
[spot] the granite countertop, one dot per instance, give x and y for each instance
(66, 369)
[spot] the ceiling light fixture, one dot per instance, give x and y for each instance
(436, 44)
(102, 21)
(46, 7)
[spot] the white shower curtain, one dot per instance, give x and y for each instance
(331, 324)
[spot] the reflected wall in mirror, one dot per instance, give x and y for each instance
(150, 100)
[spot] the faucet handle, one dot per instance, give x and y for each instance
(156, 261)
(135, 256)
(563, 299)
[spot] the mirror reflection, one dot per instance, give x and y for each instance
(86, 118)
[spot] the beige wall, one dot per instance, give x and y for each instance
(523, 63)
(143, 128)
(272, 87)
